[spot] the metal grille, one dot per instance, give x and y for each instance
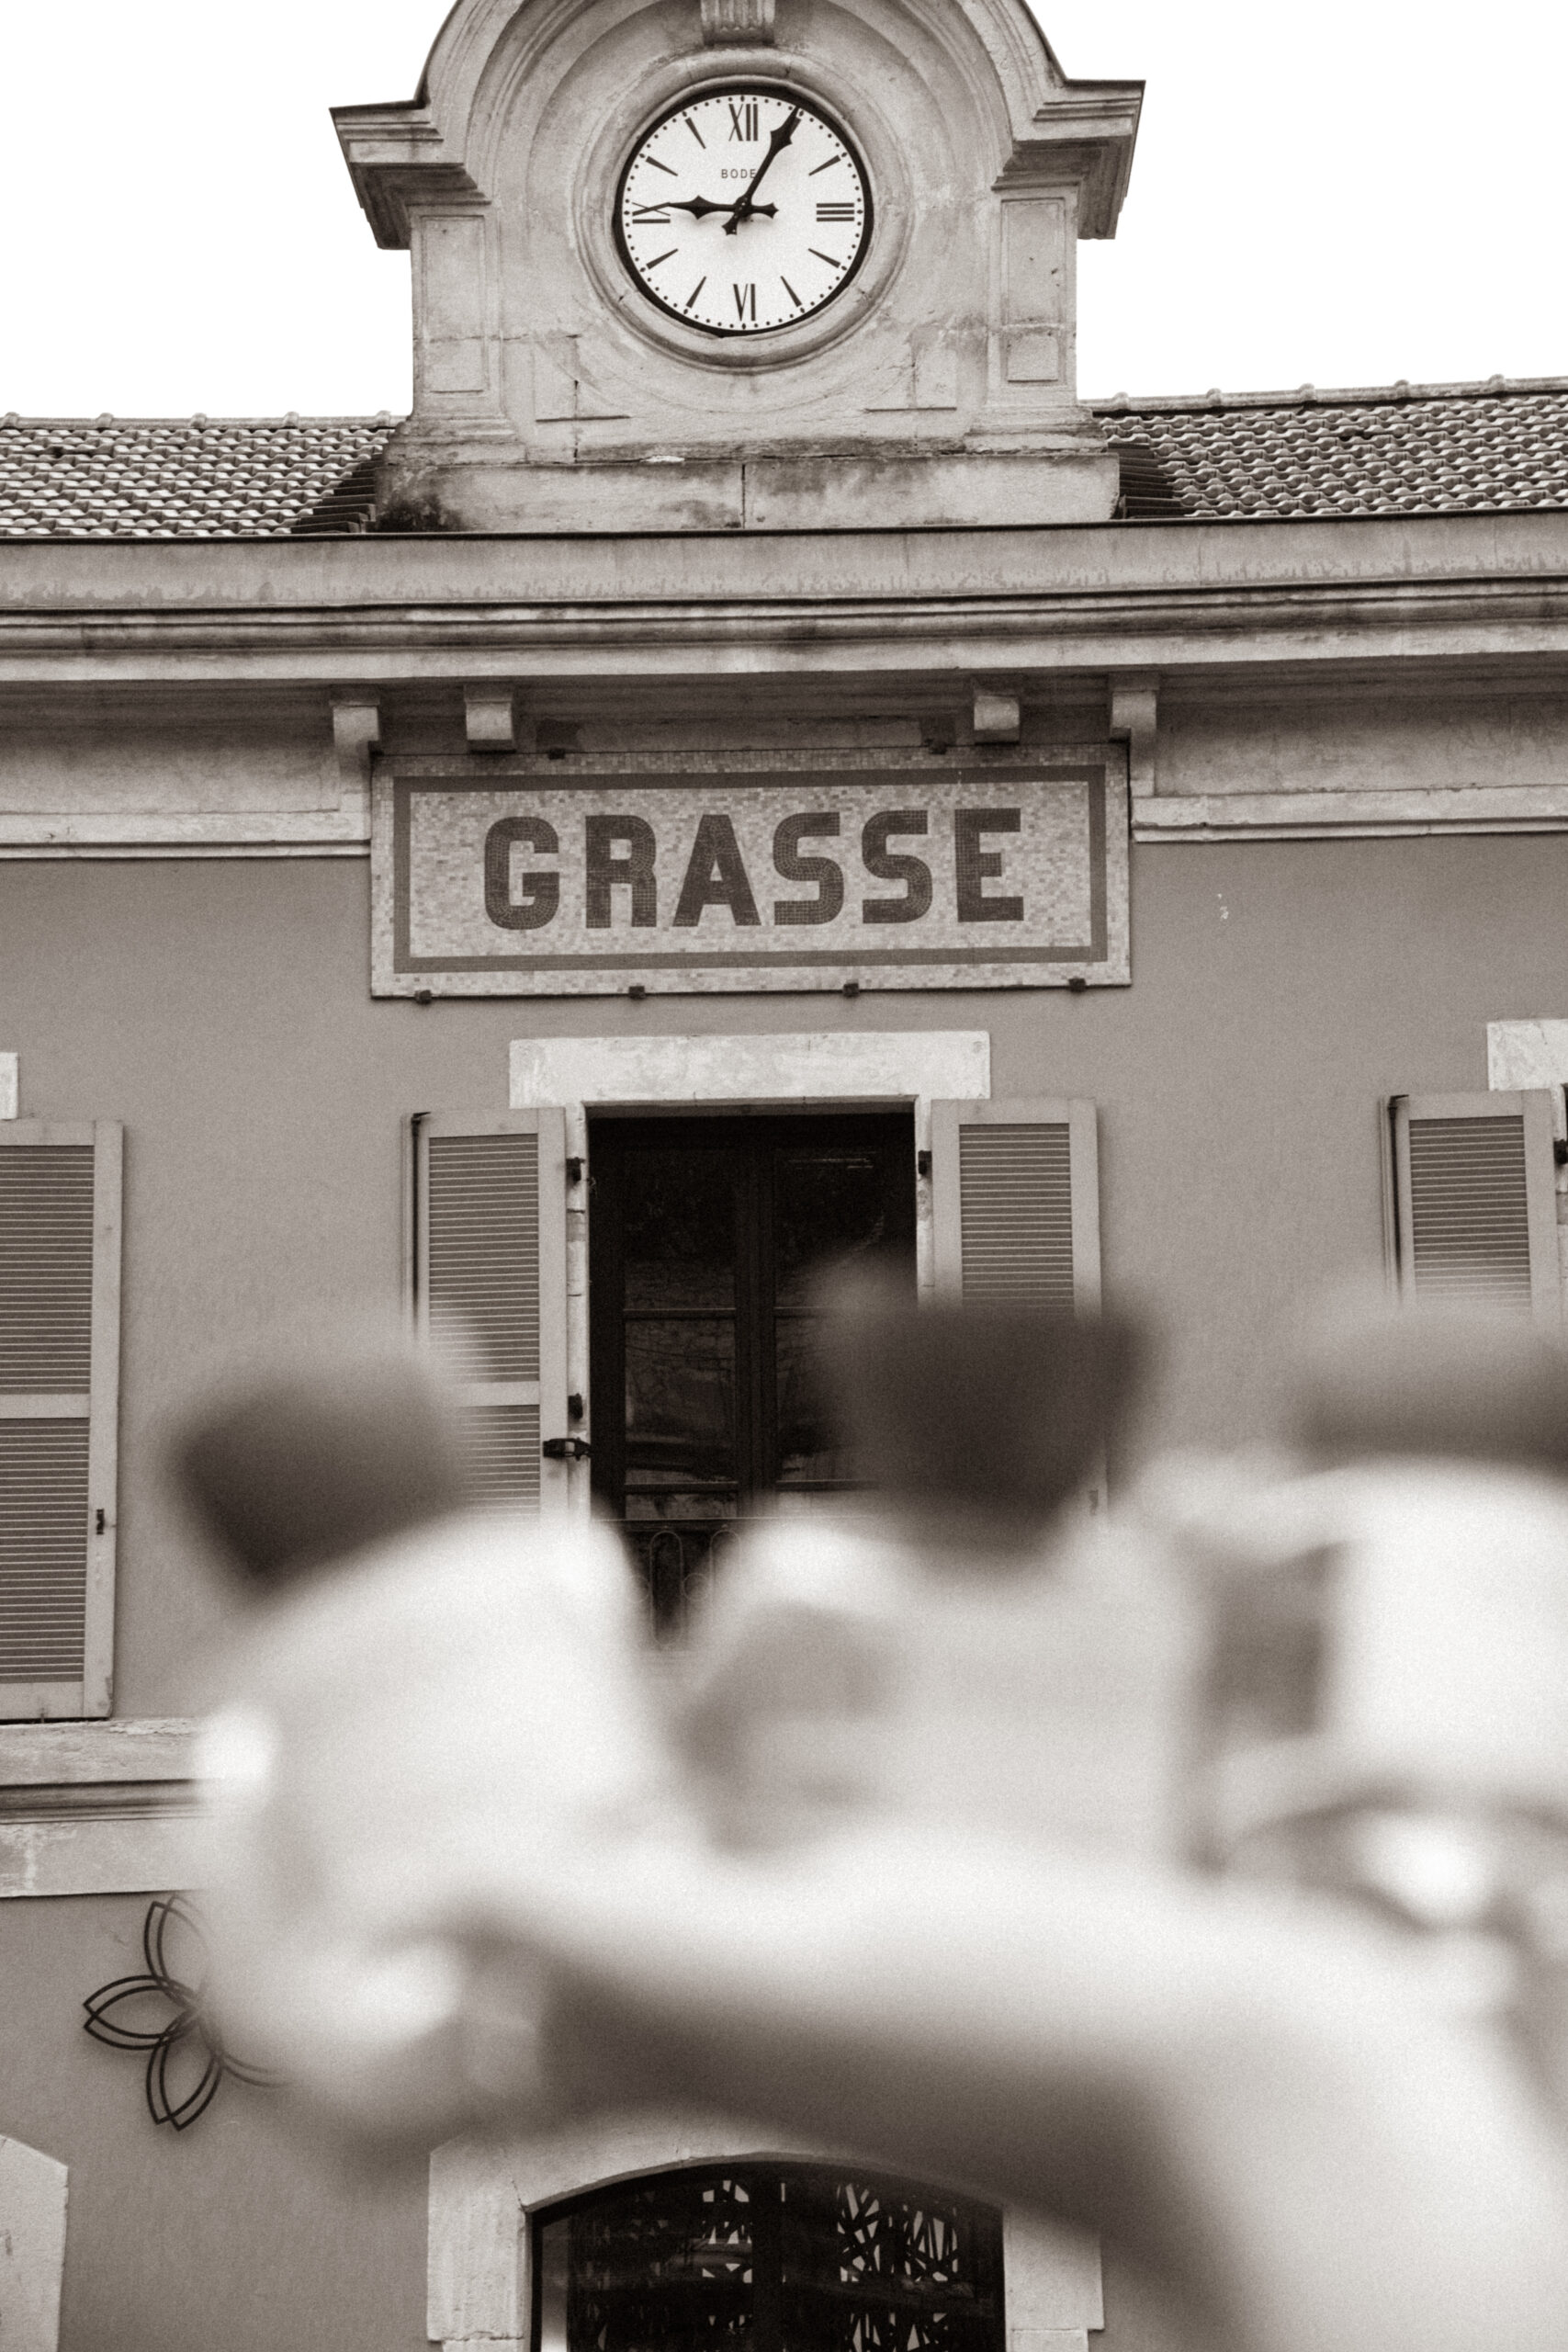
(778, 2258)
(44, 1549)
(676, 1561)
(1470, 1235)
(1016, 1215)
(502, 1442)
(46, 1268)
(483, 1268)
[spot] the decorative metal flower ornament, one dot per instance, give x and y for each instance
(187, 2059)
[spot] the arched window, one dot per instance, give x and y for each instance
(768, 2257)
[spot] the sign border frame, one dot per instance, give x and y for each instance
(1102, 961)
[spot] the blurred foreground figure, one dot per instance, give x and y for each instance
(465, 1880)
(965, 1650)
(431, 1706)
(1385, 1714)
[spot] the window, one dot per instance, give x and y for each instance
(60, 1204)
(645, 1295)
(487, 1268)
(1472, 1200)
(708, 1238)
(768, 2257)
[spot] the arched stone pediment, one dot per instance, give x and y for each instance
(938, 387)
(483, 2195)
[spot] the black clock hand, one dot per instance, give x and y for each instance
(699, 207)
(747, 205)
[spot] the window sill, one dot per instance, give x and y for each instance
(98, 1808)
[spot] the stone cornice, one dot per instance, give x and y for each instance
(1458, 610)
(443, 570)
(360, 613)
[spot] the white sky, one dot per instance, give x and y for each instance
(1346, 194)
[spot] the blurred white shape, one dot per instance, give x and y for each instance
(845, 1668)
(235, 1752)
(1441, 1872)
(382, 1848)
(397, 1997)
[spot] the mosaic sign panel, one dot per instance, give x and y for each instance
(542, 883)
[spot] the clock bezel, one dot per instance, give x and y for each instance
(752, 85)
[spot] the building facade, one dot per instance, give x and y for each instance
(752, 769)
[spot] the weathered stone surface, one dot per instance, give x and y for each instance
(546, 380)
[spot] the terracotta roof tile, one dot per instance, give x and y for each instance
(1403, 449)
(186, 478)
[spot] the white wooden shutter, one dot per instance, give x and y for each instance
(490, 1288)
(1476, 1200)
(1015, 1203)
(60, 1243)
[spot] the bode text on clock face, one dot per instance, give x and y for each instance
(742, 211)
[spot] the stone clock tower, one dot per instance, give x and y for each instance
(744, 265)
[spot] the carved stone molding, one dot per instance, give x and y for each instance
(357, 731)
(727, 22)
(1135, 715)
(997, 717)
(490, 717)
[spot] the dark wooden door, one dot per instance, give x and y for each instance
(710, 1240)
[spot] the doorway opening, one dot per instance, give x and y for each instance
(710, 1239)
(764, 2257)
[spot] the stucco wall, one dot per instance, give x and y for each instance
(226, 2238)
(221, 1010)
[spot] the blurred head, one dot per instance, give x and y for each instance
(998, 1413)
(299, 1467)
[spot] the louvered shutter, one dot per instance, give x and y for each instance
(1015, 1203)
(490, 1288)
(60, 1223)
(1476, 1200)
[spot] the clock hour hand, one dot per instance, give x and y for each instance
(699, 207)
(747, 204)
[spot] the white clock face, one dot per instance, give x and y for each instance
(743, 211)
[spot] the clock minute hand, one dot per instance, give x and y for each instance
(748, 203)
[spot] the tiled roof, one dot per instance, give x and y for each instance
(1405, 449)
(186, 478)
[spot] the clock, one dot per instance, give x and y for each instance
(743, 210)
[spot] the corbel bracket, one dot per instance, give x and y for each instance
(1135, 714)
(357, 731)
(998, 717)
(738, 23)
(490, 715)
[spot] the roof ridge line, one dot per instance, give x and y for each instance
(383, 419)
(1393, 395)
